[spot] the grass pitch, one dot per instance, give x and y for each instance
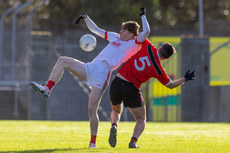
(64, 136)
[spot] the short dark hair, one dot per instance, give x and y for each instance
(167, 50)
(131, 26)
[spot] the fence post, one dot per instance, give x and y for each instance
(14, 30)
(4, 14)
(195, 94)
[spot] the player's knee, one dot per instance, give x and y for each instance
(91, 110)
(142, 122)
(62, 60)
(118, 111)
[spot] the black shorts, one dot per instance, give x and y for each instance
(126, 92)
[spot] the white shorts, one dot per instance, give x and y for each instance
(97, 74)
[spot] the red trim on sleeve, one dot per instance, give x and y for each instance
(106, 35)
(137, 42)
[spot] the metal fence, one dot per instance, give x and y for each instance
(29, 56)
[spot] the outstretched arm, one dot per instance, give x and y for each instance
(146, 30)
(188, 76)
(176, 83)
(91, 25)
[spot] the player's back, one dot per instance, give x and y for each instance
(143, 65)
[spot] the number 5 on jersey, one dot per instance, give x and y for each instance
(142, 60)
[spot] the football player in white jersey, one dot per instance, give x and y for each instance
(96, 73)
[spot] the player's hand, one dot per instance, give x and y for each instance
(82, 16)
(143, 11)
(189, 75)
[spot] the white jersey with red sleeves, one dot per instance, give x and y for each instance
(117, 51)
(144, 65)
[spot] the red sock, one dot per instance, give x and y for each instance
(50, 84)
(133, 139)
(93, 139)
(114, 124)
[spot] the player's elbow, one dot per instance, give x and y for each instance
(170, 86)
(147, 32)
(94, 29)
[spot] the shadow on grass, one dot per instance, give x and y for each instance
(56, 150)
